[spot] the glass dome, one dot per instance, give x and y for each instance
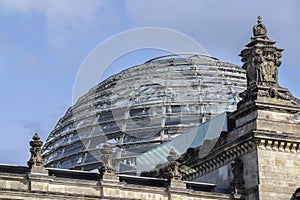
(142, 107)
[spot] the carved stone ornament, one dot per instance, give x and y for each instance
(237, 183)
(259, 29)
(274, 93)
(174, 164)
(261, 58)
(174, 177)
(261, 61)
(107, 170)
(36, 163)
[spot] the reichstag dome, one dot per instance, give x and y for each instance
(142, 107)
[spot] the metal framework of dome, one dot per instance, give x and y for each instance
(142, 107)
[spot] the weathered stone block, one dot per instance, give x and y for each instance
(57, 188)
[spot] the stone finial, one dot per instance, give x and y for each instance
(107, 170)
(261, 61)
(36, 163)
(260, 30)
(172, 157)
(174, 176)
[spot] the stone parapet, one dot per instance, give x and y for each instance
(31, 186)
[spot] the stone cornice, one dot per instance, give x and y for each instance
(277, 142)
(222, 155)
(219, 157)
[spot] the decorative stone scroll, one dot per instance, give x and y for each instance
(222, 158)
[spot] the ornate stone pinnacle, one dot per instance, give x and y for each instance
(107, 170)
(172, 156)
(174, 176)
(261, 61)
(36, 163)
(259, 20)
(106, 151)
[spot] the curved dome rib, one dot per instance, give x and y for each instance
(180, 54)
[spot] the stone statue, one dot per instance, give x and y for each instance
(259, 61)
(237, 183)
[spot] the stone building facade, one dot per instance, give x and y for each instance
(37, 182)
(261, 149)
(257, 158)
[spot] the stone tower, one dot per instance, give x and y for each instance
(258, 157)
(265, 118)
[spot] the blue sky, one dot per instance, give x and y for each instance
(43, 44)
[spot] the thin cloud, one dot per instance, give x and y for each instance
(34, 127)
(66, 20)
